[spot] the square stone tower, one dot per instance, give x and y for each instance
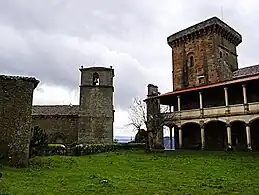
(96, 110)
(204, 54)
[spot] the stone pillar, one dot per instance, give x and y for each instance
(226, 96)
(202, 137)
(16, 94)
(245, 97)
(201, 102)
(179, 103)
(229, 136)
(180, 138)
(153, 111)
(248, 137)
(244, 94)
(171, 138)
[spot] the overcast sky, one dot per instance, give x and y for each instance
(50, 39)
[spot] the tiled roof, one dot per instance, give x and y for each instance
(247, 71)
(239, 80)
(55, 110)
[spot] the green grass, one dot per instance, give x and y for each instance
(135, 172)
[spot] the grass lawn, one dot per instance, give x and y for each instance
(135, 172)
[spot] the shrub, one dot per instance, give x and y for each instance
(81, 149)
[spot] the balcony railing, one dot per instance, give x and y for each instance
(219, 111)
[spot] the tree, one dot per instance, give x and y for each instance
(139, 121)
(39, 139)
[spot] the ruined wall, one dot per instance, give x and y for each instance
(59, 128)
(96, 112)
(16, 95)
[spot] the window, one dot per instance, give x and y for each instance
(190, 58)
(201, 80)
(220, 54)
(191, 61)
(96, 80)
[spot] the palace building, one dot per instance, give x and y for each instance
(214, 104)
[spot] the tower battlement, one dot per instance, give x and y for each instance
(203, 54)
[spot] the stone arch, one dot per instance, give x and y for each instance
(251, 120)
(194, 121)
(215, 120)
(238, 134)
(58, 138)
(96, 79)
(191, 135)
(215, 134)
(237, 120)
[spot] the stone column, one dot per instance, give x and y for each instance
(171, 138)
(179, 103)
(202, 137)
(245, 97)
(180, 138)
(226, 96)
(229, 136)
(201, 102)
(244, 94)
(248, 137)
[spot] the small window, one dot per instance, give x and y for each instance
(191, 61)
(96, 80)
(201, 80)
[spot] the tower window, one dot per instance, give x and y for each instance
(96, 79)
(220, 54)
(190, 58)
(191, 61)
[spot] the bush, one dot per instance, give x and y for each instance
(81, 149)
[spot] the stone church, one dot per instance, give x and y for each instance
(89, 122)
(214, 104)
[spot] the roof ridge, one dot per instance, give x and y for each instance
(247, 67)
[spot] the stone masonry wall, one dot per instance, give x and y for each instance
(96, 115)
(63, 128)
(214, 58)
(16, 95)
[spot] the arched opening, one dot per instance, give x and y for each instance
(168, 134)
(254, 128)
(96, 79)
(238, 135)
(190, 57)
(215, 135)
(191, 135)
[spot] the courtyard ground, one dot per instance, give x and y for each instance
(135, 172)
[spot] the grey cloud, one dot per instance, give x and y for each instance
(51, 39)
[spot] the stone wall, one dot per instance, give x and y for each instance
(15, 118)
(204, 54)
(58, 128)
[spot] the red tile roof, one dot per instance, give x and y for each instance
(211, 85)
(247, 71)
